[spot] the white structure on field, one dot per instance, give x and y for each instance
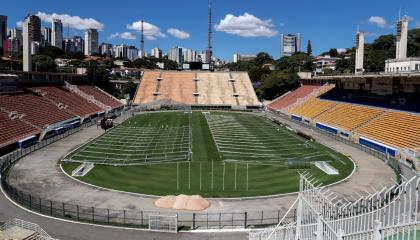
(27, 43)
(360, 51)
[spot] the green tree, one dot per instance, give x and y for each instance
(333, 52)
(309, 48)
(43, 63)
(129, 88)
(276, 84)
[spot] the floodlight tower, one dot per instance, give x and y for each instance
(142, 40)
(360, 51)
(209, 52)
(402, 34)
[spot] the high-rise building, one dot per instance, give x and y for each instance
(132, 53)
(289, 44)
(46, 32)
(27, 43)
(120, 51)
(34, 28)
(13, 46)
(175, 54)
(156, 52)
(360, 51)
(106, 49)
(57, 33)
(190, 55)
(79, 44)
(3, 35)
(91, 42)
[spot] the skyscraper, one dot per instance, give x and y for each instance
(91, 42)
(106, 49)
(34, 24)
(3, 34)
(57, 33)
(289, 44)
(175, 54)
(46, 32)
(133, 53)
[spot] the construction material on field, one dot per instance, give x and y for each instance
(183, 202)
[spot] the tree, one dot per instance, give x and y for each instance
(52, 52)
(43, 63)
(309, 48)
(99, 76)
(129, 88)
(276, 84)
(333, 52)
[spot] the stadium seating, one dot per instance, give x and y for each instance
(348, 116)
(247, 95)
(37, 110)
(12, 130)
(100, 96)
(147, 88)
(215, 89)
(75, 104)
(177, 87)
(292, 97)
(398, 129)
(311, 108)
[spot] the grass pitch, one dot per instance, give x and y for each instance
(233, 155)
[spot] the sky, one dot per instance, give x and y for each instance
(239, 26)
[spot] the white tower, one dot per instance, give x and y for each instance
(402, 33)
(360, 51)
(27, 42)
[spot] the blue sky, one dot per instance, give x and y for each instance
(243, 26)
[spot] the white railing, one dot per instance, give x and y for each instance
(89, 98)
(388, 213)
(41, 234)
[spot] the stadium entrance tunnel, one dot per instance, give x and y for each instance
(212, 154)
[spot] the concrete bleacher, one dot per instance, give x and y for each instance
(101, 96)
(196, 88)
(348, 116)
(147, 88)
(33, 108)
(215, 89)
(399, 129)
(177, 87)
(60, 95)
(13, 129)
(292, 97)
(244, 89)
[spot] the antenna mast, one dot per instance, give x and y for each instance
(209, 54)
(142, 40)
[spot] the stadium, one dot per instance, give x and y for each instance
(195, 154)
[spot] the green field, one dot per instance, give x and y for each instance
(238, 155)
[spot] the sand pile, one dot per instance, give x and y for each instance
(183, 202)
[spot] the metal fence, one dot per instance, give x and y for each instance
(129, 218)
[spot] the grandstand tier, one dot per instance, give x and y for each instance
(100, 96)
(196, 88)
(35, 109)
(292, 97)
(312, 108)
(73, 103)
(13, 129)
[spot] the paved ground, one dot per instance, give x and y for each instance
(39, 174)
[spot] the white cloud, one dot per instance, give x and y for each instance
(151, 31)
(75, 22)
(246, 25)
(19, 24)
(124, 35)
(377, 21)
(178, 33)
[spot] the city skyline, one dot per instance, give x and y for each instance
(246, 28)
